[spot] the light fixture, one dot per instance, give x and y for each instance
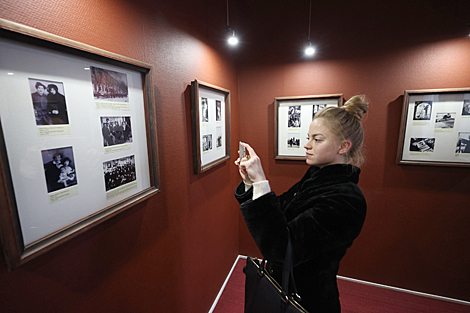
(231, 38)
(310, 50)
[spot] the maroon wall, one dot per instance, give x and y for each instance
(173, 252)
(416, 231)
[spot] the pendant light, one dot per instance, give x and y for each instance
(310, 50)
(231, 38)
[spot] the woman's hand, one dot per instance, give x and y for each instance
(250, 167)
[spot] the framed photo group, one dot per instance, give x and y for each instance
(77, 135)
(292, 118)
(210, 107)
(435, 128)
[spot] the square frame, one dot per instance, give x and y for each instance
(56, 215)
(292, 118)
(435, 128)
(210, 110)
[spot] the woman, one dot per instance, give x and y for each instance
(324, 212)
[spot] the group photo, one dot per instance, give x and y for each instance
(116, 130)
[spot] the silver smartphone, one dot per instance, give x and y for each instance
(241, 151)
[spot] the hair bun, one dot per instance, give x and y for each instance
(357, 106)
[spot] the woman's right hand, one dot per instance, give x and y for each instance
(250, 167)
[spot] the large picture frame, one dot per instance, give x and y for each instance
(210, 110)
(78, 139)
(435, 128)
(292, 118)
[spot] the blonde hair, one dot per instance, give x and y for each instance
(345, 123)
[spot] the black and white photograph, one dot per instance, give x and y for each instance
(293, 119)
(205, 110)
(218, 110)
(466, 107)
(48, 102)
(422, 110)
(293, 141)
(119, 172)
(116, 130)
(422, 144)
(463, 144)
(316, 108)
(109, 85)
(207, 142)
(218, 142)
(445, 120)
(59, 168)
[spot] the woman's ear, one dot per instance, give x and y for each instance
(345, 146)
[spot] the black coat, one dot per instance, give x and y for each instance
(324, 213)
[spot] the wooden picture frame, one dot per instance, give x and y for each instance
(435, 128)
(210, 109)
(292, 118)
(64, 133)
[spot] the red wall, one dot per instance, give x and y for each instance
(416, 232)
(173, 252)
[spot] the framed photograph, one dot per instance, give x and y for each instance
(435, 128)
(292, 118)
(210, 108)
(78, 139)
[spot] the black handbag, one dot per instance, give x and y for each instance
(263, 294)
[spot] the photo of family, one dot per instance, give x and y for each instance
(109, 85)
(59, 168)
(48, 99)
(116, 130)
(119, 172)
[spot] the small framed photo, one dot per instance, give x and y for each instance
(435, 128)
(210, 108)
(292, 119)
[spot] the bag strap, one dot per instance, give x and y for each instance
(288, 270)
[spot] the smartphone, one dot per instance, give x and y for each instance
(241, 151)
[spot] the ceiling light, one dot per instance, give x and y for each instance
(310, 50)
(231, 38)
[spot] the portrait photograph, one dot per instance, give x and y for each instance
(422, 110)
(116, 130)
(48, 98)
(207, 142)
(466, 107)
(445, 120)
(205, 110)
(218, 143)
(109, 85)
(293, 118)
(422, 144)
(218, 110)
(59, 168)
(463, 143)
(119, 172)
